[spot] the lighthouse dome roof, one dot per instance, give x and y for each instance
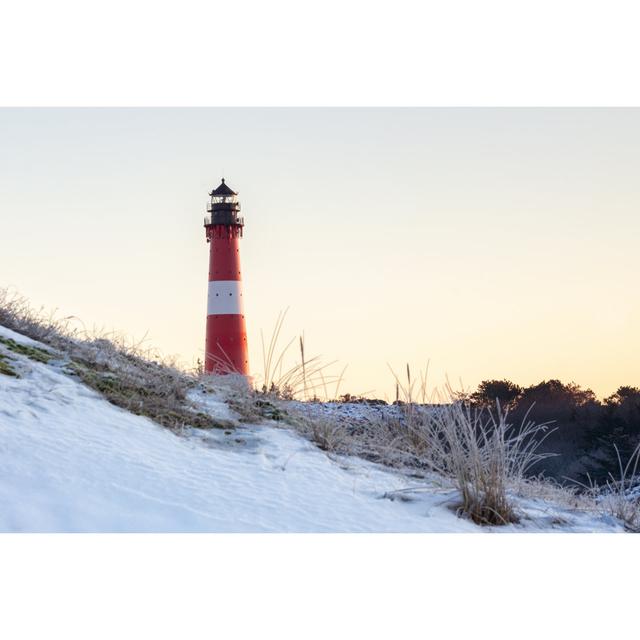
(223, 190)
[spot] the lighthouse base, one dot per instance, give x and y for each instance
(226, 345)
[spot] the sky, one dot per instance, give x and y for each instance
(489, 243)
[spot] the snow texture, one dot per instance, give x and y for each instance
(72, 462)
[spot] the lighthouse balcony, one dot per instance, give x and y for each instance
(222, 206)
(224, 217)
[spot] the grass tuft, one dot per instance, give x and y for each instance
(6, 369)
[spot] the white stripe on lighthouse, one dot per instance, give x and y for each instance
(225, 298)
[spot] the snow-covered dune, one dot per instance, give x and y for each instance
(70, 461)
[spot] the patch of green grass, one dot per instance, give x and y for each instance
(163, 404)
(252, 407)
(269, 410)
(6, 369)
(35, 353)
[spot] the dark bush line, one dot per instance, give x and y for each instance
(586, 428)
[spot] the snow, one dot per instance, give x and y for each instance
(72, 462)
(18, 337)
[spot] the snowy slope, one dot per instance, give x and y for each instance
(70, 461)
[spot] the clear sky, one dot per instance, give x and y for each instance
(492, 242)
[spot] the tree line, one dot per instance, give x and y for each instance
(586, 431)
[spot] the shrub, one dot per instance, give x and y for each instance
(491, 391)
(483, 454)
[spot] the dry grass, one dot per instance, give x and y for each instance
(620, 497)
(479, 453)
(483, 454)
(325, 433)
(144, 382)
(477, 450)
(485, 457)
(286, 377)
(237, 391)
(565, 496)
(382, 438)
(125, 373)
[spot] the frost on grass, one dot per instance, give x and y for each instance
(619, 496)
(477, 452)
(126, 374)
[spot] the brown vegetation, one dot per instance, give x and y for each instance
(127, 375)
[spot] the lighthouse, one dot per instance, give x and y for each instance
(226, 341)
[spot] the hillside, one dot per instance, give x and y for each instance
(73, 462)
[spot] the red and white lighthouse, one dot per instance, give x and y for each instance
(226, 343)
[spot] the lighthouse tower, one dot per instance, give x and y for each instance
(226, 343)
